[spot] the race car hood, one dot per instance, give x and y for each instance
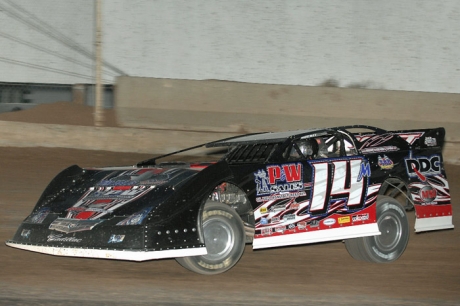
(80, 198)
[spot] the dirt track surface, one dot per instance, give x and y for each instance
(427, 274)
(61, 113)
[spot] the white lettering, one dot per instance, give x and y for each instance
(320, 183)
(344, 182)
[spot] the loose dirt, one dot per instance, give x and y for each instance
(427, 274)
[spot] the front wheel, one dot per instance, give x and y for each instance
(224, 238)
(391, 243)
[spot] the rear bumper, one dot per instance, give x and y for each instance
(433, 224)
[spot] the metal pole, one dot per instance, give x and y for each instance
(99, 111)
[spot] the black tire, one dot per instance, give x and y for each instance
(224, 238)
(391, 243)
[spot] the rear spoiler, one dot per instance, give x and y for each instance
(424, 138)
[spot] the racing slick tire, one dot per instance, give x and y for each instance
(224, 238)
(391, 243)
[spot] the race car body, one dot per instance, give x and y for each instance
(351, 183)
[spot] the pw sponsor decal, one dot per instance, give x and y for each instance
(279, 181)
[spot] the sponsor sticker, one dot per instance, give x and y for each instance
(380, 149)
(288, 217)
(385, 163)
(427, 194)
(302, 225)
(280, 229)
(40, 215)
(284, 179)
(430, 141)
(360, 217)
(266, 231)
(278, 208)
(116, 238)
(423, 166)
(329, 222)
(25, 233)
(343, 220)
(280, 196)
(61, 238)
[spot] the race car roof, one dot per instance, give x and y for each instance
(261, 138)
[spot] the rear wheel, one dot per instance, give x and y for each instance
(224, 238)
(391, 243)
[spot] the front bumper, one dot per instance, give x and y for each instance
(104, 240)
(132, 255)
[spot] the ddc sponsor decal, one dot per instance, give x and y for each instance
(423, 166)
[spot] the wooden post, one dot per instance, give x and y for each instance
(99, 108)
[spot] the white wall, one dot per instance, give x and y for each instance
(30, 53)
(399, 45)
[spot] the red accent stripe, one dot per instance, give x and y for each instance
(122, 187)
(85, 215)
(99, 201)
(420, 175)
(429, 211)
(200, 165)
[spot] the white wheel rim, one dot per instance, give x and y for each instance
(219, 239)
(391, 230)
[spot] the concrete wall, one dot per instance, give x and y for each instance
(19, 134)
(232, 107)
(217, 106)
(163, 115)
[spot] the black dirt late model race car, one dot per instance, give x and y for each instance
(350, 183)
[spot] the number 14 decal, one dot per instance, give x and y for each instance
(339, 179)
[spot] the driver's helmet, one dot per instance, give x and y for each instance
(322, 149)
(308, 147)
